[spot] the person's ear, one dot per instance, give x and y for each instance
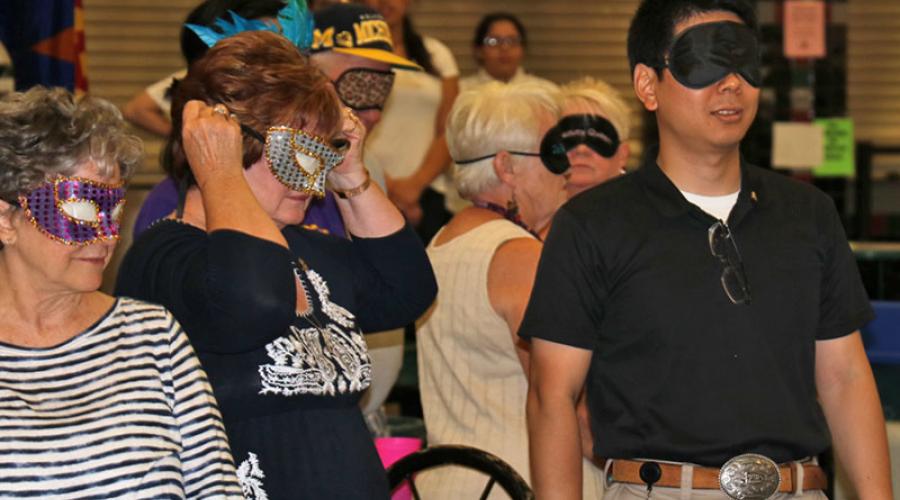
(503, 167)
(646, 81)
(8, 232)
(478, 55)
(621, 157)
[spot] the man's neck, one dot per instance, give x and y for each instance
(709, 173)
(397, 36)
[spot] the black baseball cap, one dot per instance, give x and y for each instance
(356, 30)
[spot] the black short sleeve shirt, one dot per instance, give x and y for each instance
(678, 372)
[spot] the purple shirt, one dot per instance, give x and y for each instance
(163, 198)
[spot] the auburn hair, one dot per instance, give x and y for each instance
(265, 81)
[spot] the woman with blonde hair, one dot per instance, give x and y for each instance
(590, 104)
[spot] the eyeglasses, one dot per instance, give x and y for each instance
(734, 279)
(485, 157)
(501, 41)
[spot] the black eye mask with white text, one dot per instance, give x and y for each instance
(593, 131)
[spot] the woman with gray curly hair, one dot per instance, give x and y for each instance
(99, 397)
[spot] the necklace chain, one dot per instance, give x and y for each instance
(507, 214)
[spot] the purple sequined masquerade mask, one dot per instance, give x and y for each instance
(298, 159)
(75, 211)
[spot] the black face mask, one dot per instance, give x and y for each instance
(593, 131)
(706, 53)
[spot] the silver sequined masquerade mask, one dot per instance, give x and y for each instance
(75, 211)
(298, 159)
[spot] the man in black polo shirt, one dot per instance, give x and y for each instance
(711, 307)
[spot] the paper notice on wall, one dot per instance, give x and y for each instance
(797, 145)
(839, 148)
(804, 29)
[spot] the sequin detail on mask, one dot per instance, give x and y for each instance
(299, 160)
(362, 88)
(76, 211)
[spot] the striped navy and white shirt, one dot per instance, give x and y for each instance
(121, 410)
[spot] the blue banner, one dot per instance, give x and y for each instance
(45, 41)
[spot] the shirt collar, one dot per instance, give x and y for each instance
(668, 200)
(484, 76)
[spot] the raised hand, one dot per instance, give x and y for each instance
(351, 171)
(211, 139)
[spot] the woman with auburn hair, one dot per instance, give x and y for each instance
(276, 310)
(99, 397)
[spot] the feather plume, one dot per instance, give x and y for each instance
(295, 20)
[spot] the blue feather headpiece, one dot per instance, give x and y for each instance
(295, 23)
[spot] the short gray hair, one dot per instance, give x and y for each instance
(48, 132)
(491, 118)
(601, 97)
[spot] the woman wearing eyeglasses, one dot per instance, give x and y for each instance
(409, 142)
(274, 310)
(499, 46)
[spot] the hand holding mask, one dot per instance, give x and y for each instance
(211, 139)
(351, 145)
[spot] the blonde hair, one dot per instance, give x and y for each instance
(601, 97)
(491, 118)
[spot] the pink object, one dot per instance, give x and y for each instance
(391, 449)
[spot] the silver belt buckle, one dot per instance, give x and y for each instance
(749, 477)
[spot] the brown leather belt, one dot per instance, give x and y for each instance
(707, 478)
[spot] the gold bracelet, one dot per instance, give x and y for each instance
(350, 193)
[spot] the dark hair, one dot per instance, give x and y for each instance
(264, 80)
(206, 14)
(653, 25)
(488, 20)
(415, 47)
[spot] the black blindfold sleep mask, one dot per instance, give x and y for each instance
(706, 53)
(593, 131)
